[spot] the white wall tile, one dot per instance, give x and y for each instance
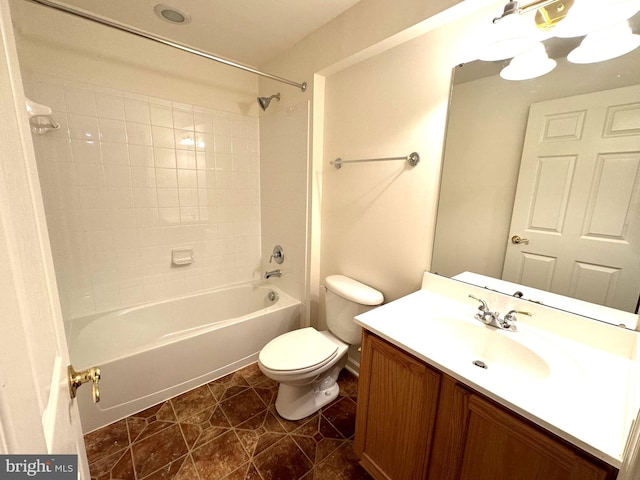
(80, 101)
(187, 179)
(117, 176)
(115, 153)
(163, 137)
(161, 115)
(141, 155)
(112, 130)
(83, 127)
(166, 178)
(168, 197)
(120, 197)
(120, 191)
(183, 119)
(185, 139)
(139, 133)
(86, 151)
(110, 106)
(145, 197)
(186, 159)
(89, 175)
(136, 111)
(143, 177)
(164, 157)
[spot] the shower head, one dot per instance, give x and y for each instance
(265, 101)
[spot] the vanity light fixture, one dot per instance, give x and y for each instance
(530, 64)
(605, 44)
(516, 33)
(549, 12)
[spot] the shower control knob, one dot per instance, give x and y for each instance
(277, 255)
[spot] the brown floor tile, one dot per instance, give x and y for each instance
(342, 464)
(219, 457)
(282, 461)
(342, 415)
(242, 407)
(193, 402)
(107, 441)
(229, 430)
(158, 451)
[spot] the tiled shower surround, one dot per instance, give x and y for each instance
(127, 178)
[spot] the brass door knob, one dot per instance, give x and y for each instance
(76, 379)
(517, 239)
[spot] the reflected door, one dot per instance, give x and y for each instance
(577, 204)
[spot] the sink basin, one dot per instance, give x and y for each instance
(500, 354)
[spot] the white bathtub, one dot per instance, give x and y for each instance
(150, 353)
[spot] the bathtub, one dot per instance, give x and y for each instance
(150, 353)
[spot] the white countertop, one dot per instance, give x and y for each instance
(591, 394)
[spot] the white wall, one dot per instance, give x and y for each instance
(370, 27)
(378, 218)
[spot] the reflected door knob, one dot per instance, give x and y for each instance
(517, 239)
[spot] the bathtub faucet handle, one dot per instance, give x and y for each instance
(277, 255)
(78, 378)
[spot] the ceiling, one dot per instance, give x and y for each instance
(247, 31)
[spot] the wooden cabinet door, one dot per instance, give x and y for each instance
(499, 445)
(397, 401)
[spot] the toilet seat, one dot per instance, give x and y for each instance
(298, 352)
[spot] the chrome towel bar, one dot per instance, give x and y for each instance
(412, 159)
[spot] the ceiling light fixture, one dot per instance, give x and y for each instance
(171, 14)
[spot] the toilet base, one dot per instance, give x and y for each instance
(295, 402)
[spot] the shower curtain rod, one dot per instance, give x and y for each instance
(63, 8)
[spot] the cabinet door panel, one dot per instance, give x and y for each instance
(395, 420)
(501, 446)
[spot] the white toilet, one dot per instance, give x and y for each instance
(307, 362)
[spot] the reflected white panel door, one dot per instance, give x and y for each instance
(37, 414)
(578, 199)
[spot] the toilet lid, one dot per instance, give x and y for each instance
(297, 350)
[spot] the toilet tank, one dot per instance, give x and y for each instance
(344, 299)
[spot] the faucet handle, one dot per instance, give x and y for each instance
(511, 314)
(484, 307)
(510, 318)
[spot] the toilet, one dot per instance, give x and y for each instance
(306, 362)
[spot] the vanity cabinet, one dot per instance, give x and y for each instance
(397, 401)
(414, 422)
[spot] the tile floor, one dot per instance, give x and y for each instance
(229, 430)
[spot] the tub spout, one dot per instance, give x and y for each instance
(273, 273)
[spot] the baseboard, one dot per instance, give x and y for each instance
(353, 366)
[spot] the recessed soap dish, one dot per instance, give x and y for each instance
(182, 256)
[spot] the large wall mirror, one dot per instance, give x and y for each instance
(555, 161)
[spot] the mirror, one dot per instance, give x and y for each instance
(486, 131)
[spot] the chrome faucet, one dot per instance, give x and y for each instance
(272, 273)
(486, 316)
